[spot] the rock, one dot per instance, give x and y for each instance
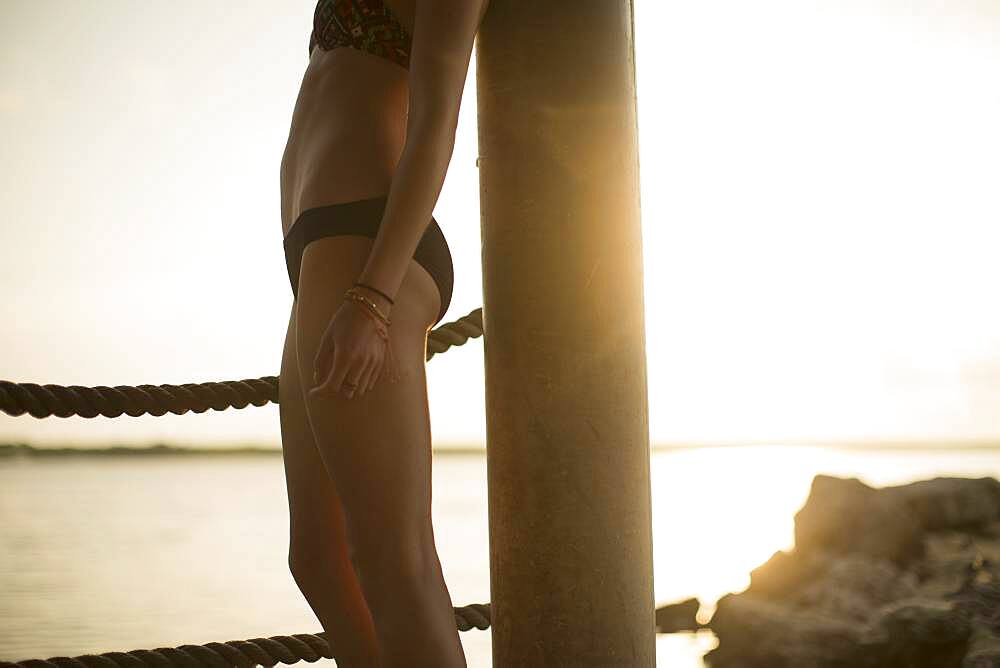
(981, 604)
(954, 559)
(755, 632)
(842, 516)
(946, 503)
(678, 616)
(900, 577)
(784, 573)
(984, 649)
(924, 632)
(854, 586)
(849, 586)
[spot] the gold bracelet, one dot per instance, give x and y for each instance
(355, 291)
(354, 294)
(358, 297)
(368, 304)
(368, 311)
(380, 327)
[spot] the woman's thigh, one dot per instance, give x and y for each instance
(316, 518)
(376, 446)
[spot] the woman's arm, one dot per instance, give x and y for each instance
(440, 51)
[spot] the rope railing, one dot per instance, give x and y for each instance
(41, 401)
(241, 653)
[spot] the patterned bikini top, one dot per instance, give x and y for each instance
(367, 25)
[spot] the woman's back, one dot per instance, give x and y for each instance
(348, 126)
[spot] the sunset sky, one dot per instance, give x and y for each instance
(820, 216)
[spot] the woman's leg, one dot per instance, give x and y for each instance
(318, 552)
(377, 450)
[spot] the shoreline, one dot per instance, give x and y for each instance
(162, 449)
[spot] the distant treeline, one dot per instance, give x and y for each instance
(25, 450)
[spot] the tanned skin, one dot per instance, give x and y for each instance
(358, 464)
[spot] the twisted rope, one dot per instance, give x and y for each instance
(43, 401)
(455, 333)
(241, 653)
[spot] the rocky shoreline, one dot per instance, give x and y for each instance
(905, 576)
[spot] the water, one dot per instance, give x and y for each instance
(118, 553)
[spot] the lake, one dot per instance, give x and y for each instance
(105, 553)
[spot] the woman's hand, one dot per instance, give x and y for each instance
(352, 351)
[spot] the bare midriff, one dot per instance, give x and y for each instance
(347, 131)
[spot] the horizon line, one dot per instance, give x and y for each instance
(160, 448)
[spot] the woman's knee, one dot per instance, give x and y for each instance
(303, 566)
(396, 570)
(311, 562)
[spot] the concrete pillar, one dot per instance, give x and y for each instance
(571, 569)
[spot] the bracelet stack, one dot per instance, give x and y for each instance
(376, 290)
(382, 322)
(369, 306)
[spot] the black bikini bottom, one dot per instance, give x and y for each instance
(364, 217)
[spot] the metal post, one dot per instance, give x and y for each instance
(571, 570)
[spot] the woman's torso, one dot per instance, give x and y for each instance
(348, 126)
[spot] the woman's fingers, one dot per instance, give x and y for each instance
(365, 377)
(333, 376)
(349, 366)
(349, 376)
(376, 373)
(356, 380)
(323, 361)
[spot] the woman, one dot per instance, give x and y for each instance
(371, 137)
